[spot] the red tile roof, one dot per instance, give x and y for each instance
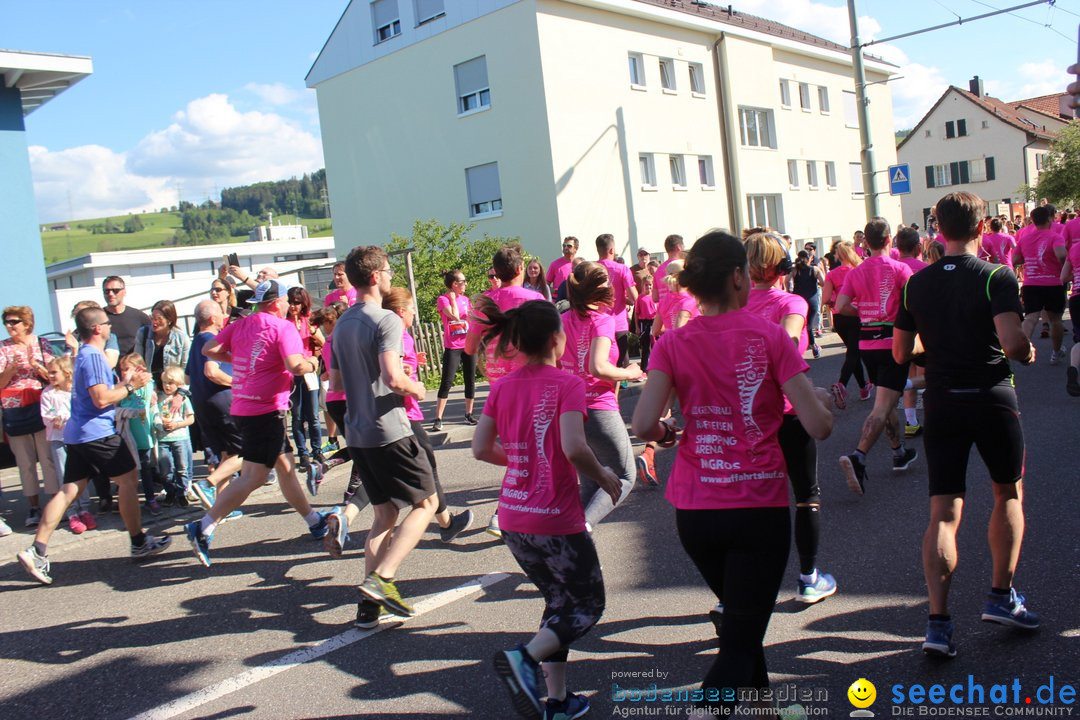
(1046, 104)
(1007, 112)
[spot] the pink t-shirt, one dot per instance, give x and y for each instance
(259, 344)
(557, 273)
(1074, 260)
(408, 360)
(1041, 266)
(580, 331)
(894, 253)
(454, 331)
(349, 297)
(658, 280)
(914, 263)
(506, 298)
(728, 371)
(672, 304)
(875, 289)
(774, 305)
(1072, 231)
(327, 353)
(540, 488)
(836, 277)
(620, 278)
(998, 248)
(645, 307)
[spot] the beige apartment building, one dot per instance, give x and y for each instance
(546, 118)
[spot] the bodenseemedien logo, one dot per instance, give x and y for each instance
(861, 695)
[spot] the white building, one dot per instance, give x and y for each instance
(546, 118)
(180, 274)
(973, 142)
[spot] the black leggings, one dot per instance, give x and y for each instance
(847, 327)
(741, 554)
(566, 571)
(645, 341)
(800, 454)
(622, 342)
(450, 361)
(355, 492)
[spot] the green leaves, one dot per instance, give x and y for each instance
(1059, 181)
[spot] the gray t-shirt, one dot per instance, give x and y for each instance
(375, 414)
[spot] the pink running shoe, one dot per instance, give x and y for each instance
(866, 391)
(839, 394)
(75, 524)
(88, 520)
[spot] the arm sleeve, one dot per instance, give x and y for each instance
(572, 396)
(492, 403)
(1004, 292)
(659, 359)
(390, 333)
(904, 319)
(290, 343)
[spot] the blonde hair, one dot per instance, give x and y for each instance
(173, 374)
(132, 359)
(63, 364)
(671, 278)
(763, 255)
(845, 251)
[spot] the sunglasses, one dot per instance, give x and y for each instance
(12, 321)
(217, 289)
(492, 277)
(113, 291)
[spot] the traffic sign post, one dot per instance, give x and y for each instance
(899, 179)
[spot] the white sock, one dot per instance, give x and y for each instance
(208, 525)
(313, 518)
(809, 579)
(910, 416)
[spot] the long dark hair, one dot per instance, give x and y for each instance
(528, 328)
(586, 287)
(300, 295)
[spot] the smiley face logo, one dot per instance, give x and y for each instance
(862, 693)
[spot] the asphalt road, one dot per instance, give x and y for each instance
(267, 631)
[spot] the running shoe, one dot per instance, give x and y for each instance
(437, 425)
(716, 615)
(459, 523)
(646, 469)
(839, 394)
(154, 507)
(1072, 381)
(1009, 610)
(939, 638)
(385, 593)
(904, 461)
(153, 545)
(320, 529)
(493, 527)
(518, 672)
(35, 565)
(469, 419)
(574, 706)
(866, 391)
(5, 529)
(335, 461)
(330, 446)
(337, 532)
(205, 492)
(810, 593)
(816, 350)
(367, 614)
(76, 525)
(200, 543)
(314, 477)
(912, 430)
(1056, 356)
(88, 520)
(854, 473)
(33, 517)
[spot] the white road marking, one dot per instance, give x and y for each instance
(312, 652)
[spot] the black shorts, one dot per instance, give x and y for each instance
(398, 471)
(218, 427)
(108, 457)
(263, 438)
(1037, 298)
(956, 419)
(1074, 313)
(884, 372)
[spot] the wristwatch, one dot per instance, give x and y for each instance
(130, 388)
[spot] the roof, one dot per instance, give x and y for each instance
(40, 77)
(1004, 112)
(1046, 104)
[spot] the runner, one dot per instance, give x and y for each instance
(533, 424)
(908, 243)
(967, 314)
(847, 327)
(1041, 252)
(997, 247)
(93, 446)
(1070, 271)
(266, 353)
(673, 246)
(624, 294)
(454, 307)
(872, 292)
(731, 370)
(806, 281)
(768, 264)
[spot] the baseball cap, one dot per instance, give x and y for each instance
(269, 290)
(643, 251)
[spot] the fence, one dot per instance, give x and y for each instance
(429, 339)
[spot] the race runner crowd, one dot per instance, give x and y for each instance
(723, 330)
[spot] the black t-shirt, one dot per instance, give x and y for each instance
(804, 281)
(125, 325)
(952, 305)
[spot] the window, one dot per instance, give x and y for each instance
(830, 175)
(482, 184)
(428, 10)
(667, 74)
(385, 20)
(705, 172)
(823, 99)
(961, 128)
(939, 175)
(1040, 161)
(793, 174)
(851, 110)
(976, 170)
(755, 127)
(927, 134)
(855, 169)
(804, 96)
(950, 129)
(471, 80)
(678, 171)
(985, 124)
(697, 79)
(785, 94)
(765, 211)
(637, 70)
(648, 171)
(811, 174)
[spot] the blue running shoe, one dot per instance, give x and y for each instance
(205, 492)
(1009, 610)
(811, 593)
(314, 477)
(337, 532)
(199, 543)
(518, 672)
(939, 639)
(319, 529)
(574, 706)
(234, 514)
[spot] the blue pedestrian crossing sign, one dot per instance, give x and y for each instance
(899, 179)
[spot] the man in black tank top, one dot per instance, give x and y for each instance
(967, 314)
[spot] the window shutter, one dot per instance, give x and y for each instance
(950, 130)
(965, 177)
(929, 176)
(989, 168)
(954, 173)
(483, 183)
(471, 76)
(427, 9)
(961, 128)
(384, 12)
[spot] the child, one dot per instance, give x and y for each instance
(644, 314)
(55, 411)
(135, 422)
(174, 417)
(533, 423)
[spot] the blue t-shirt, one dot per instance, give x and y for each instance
(87, 422)
(202, 388)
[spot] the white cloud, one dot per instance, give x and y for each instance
(275, 93)
(210, 144)
(1046, 77)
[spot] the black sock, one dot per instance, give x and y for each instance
(807, 532)
(940, 617)
(999, 591)
(138, 540)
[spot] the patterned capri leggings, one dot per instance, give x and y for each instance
(566, 570)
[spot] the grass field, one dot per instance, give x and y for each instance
(159, 228)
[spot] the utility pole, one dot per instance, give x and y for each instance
(866, 153)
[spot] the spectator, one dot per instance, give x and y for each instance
(454, 308)
(560, 268)
(174, 417)
(135, 416)
(534, 279)
(55, 412)
(112, 348)
(344, 291)
(161, 343)
(641, 270)
(304, 399)
(243, 296)
(224, 294)
(125, 321)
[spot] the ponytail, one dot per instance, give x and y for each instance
(527, 328)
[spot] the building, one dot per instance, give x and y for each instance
(545, 118)
(28, 80)
(973, 142)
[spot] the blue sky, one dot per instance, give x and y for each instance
(187, 98)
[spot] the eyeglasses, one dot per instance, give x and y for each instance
(102, 323)
(568, 245)
(217, 289)
(492, 277)
(113, 291)
(389, 271)
(10, 322)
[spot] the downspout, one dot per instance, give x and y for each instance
(727, 132)
(1023, 159)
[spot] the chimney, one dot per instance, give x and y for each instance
(975, 85)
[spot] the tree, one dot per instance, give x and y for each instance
(133, 224)
(1059, 181)
(438, 248)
